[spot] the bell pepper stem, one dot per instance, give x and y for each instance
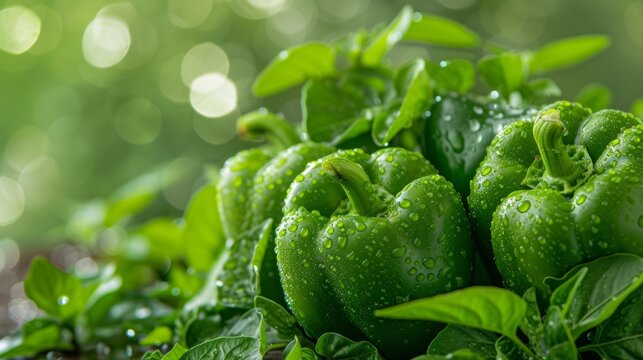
(260, 125)
(355, 182)
(548, 133)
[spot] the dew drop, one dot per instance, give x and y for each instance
(63, 300)
(428, 263)
(328, 243)
(405, 203)
(399, 252)
(474, 125)
(581, 199)
(524, 206)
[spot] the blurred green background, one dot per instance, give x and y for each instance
(94, 94)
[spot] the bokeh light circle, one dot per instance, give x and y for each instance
(40, 181)
(188, 13)
(213, 95)
(106, 41)
(12, 200)
(24, 146)
(9, 254)
(19, 29)
(256, 9)
(202, 59)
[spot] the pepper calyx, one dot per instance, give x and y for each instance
(360, 191)
(559, 167)
(263, 125)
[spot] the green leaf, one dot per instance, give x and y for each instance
(480, 307)
(164, 239)
(462, 354)
(276, 316)
(133, 197)
(208, 296)
(249, 324)
(203, 233)
(507, 349)
(232, 348)
(294, 66)
(621, 336)
(557, 341)
(505, 72)
(57, 293)
(201, 327)
(294, 351)
(236, 282)
(608, 282)
(567, 52)
(332, 112)
(36, 336)
(436, 30)
(335, 346)
(453, 338)
(175, 353)
(152, 355)
(386, 38)
(539, 90)
(414, 88)
(637, 108)
(563, 296)
(159, 335)
(594, 96)
(187, 281)
(532, 323)
(456, 75)
(350, 46)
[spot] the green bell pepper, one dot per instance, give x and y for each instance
(364, 232)
(559, 189)
(458, 129)
(251, 190)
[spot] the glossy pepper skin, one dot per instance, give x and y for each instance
(252, 189)
(560, 189)
(458, 130)
(362, 232)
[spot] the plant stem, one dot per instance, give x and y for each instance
(356, 183)
(259, 125)
(548, 133)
